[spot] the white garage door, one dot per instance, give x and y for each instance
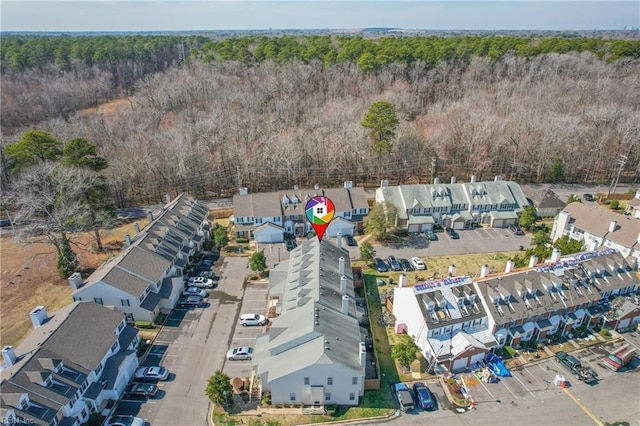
(477, 358)
(413, 228)
(458, 225)
(460, 364)
(269, 237)
(624, 324)
(498, 223)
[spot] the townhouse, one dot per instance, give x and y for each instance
(70, 366)
(456, 205)
(266, 217)
(314, 352)
(145, 278)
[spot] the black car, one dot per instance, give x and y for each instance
(452, 233)
(394, 264)
(381, 266)
(588, 197)
(423, 394)
(142, 390)
(350, 240)
(291, 244)
(516, 230)
(406, 265)
(431, 236)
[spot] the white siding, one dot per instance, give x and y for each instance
(112, 296)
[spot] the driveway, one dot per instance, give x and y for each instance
(193, 345)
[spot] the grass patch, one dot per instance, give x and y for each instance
(465, 264)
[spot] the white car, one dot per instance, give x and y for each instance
(252, 319)
(418, 263)
(239, 354)
(124, 421)
(195, 291)
(202, 282)
(152, 373)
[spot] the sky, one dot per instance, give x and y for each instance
(187, 15)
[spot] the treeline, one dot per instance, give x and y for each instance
(49, 76)
(373, 53)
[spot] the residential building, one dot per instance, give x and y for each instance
(456, 205)
(598, 227)
(145, 278)
(447, 320)
(633, 206)
(266, 217)
(70, 366)
(314, 352)
(546, 202)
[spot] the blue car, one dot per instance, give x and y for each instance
(381, 266)
(425, 401)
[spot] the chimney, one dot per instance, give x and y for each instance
(38, 316)
(244, 190)
(136, 227)
(555, 255)
(436, 180)
(510, 265)
(613, 225)
(296, 187)
(10, 355)
(316, 186)
(498, 178)
(474, 178)
(339, 239)
(384, 183)
(533, 261)
(484, 271)
(363, 354)
(453, 179)
(341, 265)
(345, 304)
(638, 194)
(162, 207)
(348, 184)
(128, 239)
(167, 198)
(150, 216)
(452, 270)
(402, 281)
(343, 284)
(75, 281)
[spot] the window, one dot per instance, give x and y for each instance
(354, 380)
(24, 404)
(77, 299)
(292, 396)
(84, 412)
(114, 347)
(98, 300)
(121, 326)
(327, 396)
(125, 302)
(352, 396)
(98, 369)
(329, 381)
(306, 380)
(128, 316)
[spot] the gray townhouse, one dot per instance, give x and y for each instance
(70, 366)
(146, 277)
(266, 217)
(456, 205)
(314, 352)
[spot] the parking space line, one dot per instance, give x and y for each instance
(532, 375)
(487, 389)
(510, 391)
(523, 385)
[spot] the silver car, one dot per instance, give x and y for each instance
(239, 354)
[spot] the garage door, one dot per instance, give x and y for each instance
(458, 225)
(413, 229)
(498, 223)
(477, 358)
(624, 324)
(265, 237)
(460, 364)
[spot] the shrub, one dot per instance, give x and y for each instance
(614, 204)
(144, 324)
(242, 240)
(605, 332)
(266, 399)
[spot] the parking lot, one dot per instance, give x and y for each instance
(530, 397)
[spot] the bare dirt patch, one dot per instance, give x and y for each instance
(108, 109)
(29, 278)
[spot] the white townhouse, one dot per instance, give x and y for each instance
(314, 352)
(456, 205)
(70, 366)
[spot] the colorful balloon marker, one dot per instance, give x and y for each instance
(319, 211)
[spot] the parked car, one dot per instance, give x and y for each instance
(588, 197)
(394, 264)
(431, 236)
(291, 244)
(152, 373)
(4, 222)
(202, 282)
(124, 421)
(418, 263)
(423, 395)
(452, 233)
(187, 301)
(381, 266)
(351, 242)
(516, 230)
(195, 291)
(252, 319)
(239, 354)
(406, 265)
(403, 396)
(145, 390)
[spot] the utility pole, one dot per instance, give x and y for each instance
(622, 160)
(434, 162)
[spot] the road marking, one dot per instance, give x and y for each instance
(534, 376)
(525, 386)
(487, 389)
(583, 407)
(505, 385)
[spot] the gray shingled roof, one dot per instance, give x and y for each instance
(145, 264)
(545, 199)
(596, 220)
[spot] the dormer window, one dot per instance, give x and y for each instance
(295, 199)
(285, 200)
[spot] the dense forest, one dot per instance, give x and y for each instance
(271, 112)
